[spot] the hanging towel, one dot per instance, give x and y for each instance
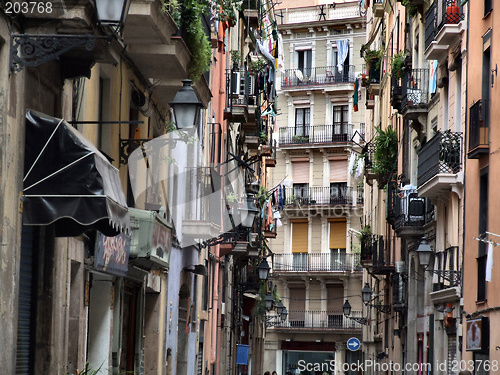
(359, 169)
(356, 87)
(342, 51)
(352, 161)
(489, 262)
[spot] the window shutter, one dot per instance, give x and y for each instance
(338, 234)
(335, 297)
(300, 233)
(338, 170)
(300, 172)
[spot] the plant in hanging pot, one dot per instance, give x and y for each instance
(386, 154)
(398, 64)
(235, 58)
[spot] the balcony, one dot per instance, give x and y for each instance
(318, 320)
(415, 93)
(378, 8)
(399, 291)
(443, 28)
(320, 196)
(307, 77)
(338, 15)
(374, 76)
(439, 164)
(479, 129)
(411, 213)
(316, 262)
(154, 42)
(315, 135)
(241, 102)
(396, 92)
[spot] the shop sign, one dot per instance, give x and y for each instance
(477, 334)
(112, 254)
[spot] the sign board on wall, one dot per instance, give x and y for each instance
(477, 334)
(112, 254)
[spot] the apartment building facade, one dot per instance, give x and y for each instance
(416, 56)
(315, 258)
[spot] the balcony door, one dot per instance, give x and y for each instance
(340, 122)
(302, 123)
(297, 313)
(340, 75)
(304, 64)
(335, 294)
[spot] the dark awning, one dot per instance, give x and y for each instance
(68, 182)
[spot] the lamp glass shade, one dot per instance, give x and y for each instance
(263, 269)
(424, 252)
(186, 106)
(280, 308)
(269, 301)
(366, 293)
(112, 12)
(284, 314)
(248, 213)
(347, 308)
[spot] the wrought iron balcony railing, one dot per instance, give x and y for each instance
(322, 134)
(442, 154)
(410, 210)
(320, 196)
(311, 262)
(415, 88)
(318, 319)
(326, 75)
(479, 132)
(240, 88)
(439, 14)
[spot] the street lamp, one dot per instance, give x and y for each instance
(366, 294)
(251, 211)
(112, 12)
(263, 269)
(186, 106)
(269, 301)
(424, 252)
(347, 311)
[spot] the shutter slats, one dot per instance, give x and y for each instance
(338, 170)
(300, 233)
(300, 172)
(338, 234)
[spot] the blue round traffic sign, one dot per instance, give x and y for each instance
(353, 344)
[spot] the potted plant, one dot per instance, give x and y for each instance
(398, 64)
(386, 153)
(365, 237)
(258, 65)
(372, 59)
(263, 137)
(235, 58)
(411, 9)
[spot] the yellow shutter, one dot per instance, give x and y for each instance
(338, 234)
(300, 232)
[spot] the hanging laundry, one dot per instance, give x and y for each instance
(342, 51)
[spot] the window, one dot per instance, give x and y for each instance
(302, 122)
(483, 227)
(304, 62)
(340, 76)
(488, 6)
(338, 193)
(301, 190)
(340, 122)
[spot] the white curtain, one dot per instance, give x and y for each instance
(342, 51)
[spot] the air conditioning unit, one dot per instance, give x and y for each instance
(151, 239)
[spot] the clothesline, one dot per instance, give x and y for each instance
(485, 240)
